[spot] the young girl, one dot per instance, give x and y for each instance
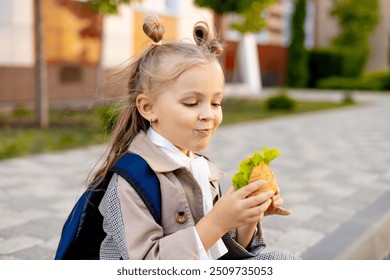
(175, 92)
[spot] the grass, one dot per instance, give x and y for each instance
(19, 136)
(72, 129)
(242, 110)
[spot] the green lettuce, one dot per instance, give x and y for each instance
(241, 178)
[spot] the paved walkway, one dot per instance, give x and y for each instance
(333, 172)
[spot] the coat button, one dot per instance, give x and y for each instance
(181, 217)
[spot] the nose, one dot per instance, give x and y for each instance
(206, 113)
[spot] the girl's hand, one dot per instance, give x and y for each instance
(275, 207)
(232, 210)
(235, 208)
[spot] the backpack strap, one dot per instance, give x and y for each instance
(82, 232)
(136, 171)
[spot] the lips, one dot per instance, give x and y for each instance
(204, 131)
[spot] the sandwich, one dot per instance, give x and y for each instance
(257, 168)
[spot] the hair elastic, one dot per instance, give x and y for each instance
(156, 43)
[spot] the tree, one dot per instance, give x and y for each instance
(253, 20)
(42, 107)
(249, 10)
(42, 103)
(250, 20)
(106, 7)
(297, 67)
(221, 7)
(357, 20)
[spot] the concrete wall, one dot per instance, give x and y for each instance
(64, 82)
(380, 41)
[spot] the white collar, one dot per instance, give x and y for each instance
(201, 172)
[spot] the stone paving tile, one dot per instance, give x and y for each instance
(294, 240)
(330, 156)
(305, 212)
(45, 228)
(15, 244)
(10, 218)
(34, 253)
(333, 165)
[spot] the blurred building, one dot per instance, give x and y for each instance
(74, 40)
(320, 29)
(326, 29)
(79, 42)
(272, 46)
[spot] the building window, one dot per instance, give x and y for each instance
(70, 74)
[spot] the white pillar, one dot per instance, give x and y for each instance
(249, 63)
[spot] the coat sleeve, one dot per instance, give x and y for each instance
(237, 252)
(132, 233)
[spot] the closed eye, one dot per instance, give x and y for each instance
(192, 104)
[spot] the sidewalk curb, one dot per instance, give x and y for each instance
(373, 244)
(364, 237)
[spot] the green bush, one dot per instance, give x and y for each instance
(323, 63)
(280, 102)
(341, 62)
(343, 83)
(381, 77)
(375, 81)
(20, 112)
(354, 60)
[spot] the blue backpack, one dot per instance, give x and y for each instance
(83, 231)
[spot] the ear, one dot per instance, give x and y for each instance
(144, 105)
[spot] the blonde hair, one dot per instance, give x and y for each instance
(148, 73)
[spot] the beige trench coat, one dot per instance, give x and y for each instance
(132, 233)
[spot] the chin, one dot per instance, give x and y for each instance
(199, 149)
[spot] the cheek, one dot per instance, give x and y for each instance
(180, 118)
(218, 118)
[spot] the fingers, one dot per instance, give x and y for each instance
(250, 188)
(282, 211)
(276, 209)
(258, 211)
(277, 201)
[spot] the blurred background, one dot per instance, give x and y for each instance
(59, 91)
(60, 51)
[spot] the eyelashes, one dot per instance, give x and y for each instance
(194, 104)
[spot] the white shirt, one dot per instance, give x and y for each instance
(201, 172)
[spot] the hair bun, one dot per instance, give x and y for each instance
(215, 47)
(204, 38)
(153, 29)
(201, 33)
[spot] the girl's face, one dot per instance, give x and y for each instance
(188, 111)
